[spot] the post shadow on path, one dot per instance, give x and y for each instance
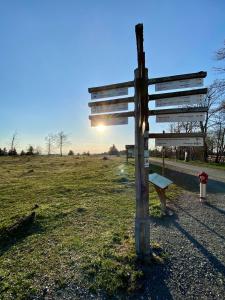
(221, 211)
(215, 262)
(190, 182)
(199, 221)
(154, 283)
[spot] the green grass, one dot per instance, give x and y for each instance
(83, 232)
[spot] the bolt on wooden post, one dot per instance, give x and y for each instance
(142, 227)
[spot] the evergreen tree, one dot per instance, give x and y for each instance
(30, 150)
(12, 152)
(113, 150)
(71, 152)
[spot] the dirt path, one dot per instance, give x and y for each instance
(194, 239)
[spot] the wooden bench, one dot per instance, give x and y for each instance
(160, 183)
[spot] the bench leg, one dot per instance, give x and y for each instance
(162, 198)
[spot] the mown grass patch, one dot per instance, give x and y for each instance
(84, 226)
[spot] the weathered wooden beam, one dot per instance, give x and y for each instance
(110, 116)
(111, 86)
(129, 146)
(200, 74)
(177, 110)
(150, 81)
(112, 101)
(142, 228)
(175, 135)
(177, 94)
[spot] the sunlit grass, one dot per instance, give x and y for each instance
(84, 226)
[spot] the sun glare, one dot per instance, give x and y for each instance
(100, 128)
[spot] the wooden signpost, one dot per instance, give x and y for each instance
(115, 112)
(129, 151)
(109, 93)
(178, 84)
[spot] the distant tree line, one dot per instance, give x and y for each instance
(13, 152)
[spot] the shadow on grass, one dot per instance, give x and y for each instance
(189, 182)
(7, 241)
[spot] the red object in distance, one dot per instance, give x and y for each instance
(203, 177)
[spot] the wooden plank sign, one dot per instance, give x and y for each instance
(109, 108)
(160, 181)
(178, 84)
(184, 100)
(130, 152)
(180, 117)
(186, 142)
(109, 121)
(109, 93)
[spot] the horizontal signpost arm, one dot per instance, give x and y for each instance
(177, 94)
(177, 77)
(111, 86)
(175, 135)
(129, 146)
(112, 101)
(177, 111)
(110, 116)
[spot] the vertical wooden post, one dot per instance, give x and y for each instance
(163, 159)
(142, 226)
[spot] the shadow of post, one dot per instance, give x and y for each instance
(199, 221)
(154, 284)
(221, 211)
(211, 258)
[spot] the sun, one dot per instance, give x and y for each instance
(100, 128)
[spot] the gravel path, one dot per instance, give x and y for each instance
(194, 239)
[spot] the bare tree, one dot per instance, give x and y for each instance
(13, 141)
(220, 55)
(62, 139)
(50, 141)
(218, 134)
(213, 101)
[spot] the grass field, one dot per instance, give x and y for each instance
(83, 233)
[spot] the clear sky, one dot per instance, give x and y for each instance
(52, 51)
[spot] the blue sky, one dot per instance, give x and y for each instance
(52, 51)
